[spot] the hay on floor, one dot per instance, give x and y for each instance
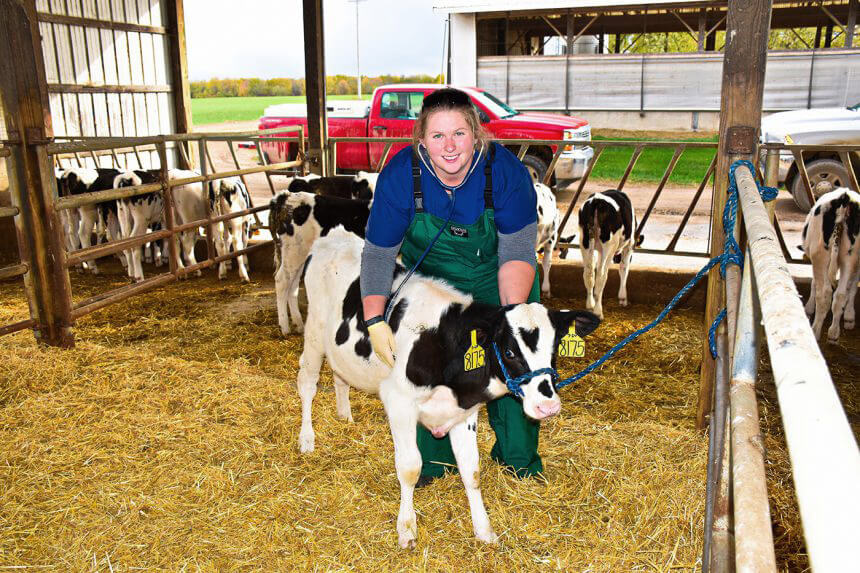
(168, 439)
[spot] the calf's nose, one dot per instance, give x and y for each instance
(549, 408)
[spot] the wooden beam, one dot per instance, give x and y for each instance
(108, 89)
(744, 65)
(103, 24)
(23, 89)
(315, 85)
(832, 17)
(179, 73)
(852, 22)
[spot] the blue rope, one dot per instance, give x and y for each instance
(515, 383)
(731, 255)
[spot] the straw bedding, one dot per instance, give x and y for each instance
(167, 439)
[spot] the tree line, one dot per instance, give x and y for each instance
(334, 85)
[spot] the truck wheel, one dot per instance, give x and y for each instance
(824, 175)
(536, 167)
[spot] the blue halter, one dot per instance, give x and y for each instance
(514, 384)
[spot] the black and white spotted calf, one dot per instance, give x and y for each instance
(80, 223)
(296, 220)
(831, 240)
(359, 186)
(138, 214)
(229, 195)
(547, 231)
(607, 224)
(432, 324)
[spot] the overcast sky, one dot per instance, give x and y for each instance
(264, 38)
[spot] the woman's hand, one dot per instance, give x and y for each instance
(382, 341)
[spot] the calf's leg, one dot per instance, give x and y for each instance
(464, 441)
(282, 287)
(341, 396)
(623, 270)
(309, 372)
(546, 264)
(823, 291)
(588, 266)
(402, 418)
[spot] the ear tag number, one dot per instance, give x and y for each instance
(571, 345)
(474, 357)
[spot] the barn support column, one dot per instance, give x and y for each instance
(181, 89)
(852, 22)
(24, 91)
(747, 28)
(315, 87)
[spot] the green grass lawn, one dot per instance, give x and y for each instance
(220, 109)
(690, 169)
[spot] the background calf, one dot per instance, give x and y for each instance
(830, 240)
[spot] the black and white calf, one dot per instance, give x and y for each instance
(296, 220)
(547, 231)
(607, 224)
(359, 186)
(433, 325)
(83, 221)
(226, 196)
(830, 239)
(137, 214)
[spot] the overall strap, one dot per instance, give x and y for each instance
(417, 194)
(488, 177)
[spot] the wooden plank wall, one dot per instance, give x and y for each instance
(108, 71)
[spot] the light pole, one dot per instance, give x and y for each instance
(357, 58)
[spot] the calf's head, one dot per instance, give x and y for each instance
(527, 338)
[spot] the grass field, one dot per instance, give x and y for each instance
(220, 109)
(649, 168)
(690, 168)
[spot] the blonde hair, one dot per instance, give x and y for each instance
(450, 99)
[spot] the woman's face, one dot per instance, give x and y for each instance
(450, 143)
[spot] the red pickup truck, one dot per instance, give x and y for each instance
(392, 113)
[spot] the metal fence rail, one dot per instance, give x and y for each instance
(522, 146)
(50, 155)
(824, 454)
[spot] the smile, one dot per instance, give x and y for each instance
(451, 158)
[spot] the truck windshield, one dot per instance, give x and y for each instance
(497, 106)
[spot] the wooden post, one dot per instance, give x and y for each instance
(852, 22)
(24, 92)
(747, 26)
(315, 86)
(179, 76)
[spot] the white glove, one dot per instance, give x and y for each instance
(382, 341)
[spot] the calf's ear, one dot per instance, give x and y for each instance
(584, 321)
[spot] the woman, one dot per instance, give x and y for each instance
(486, 248)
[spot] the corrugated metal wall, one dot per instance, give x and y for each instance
(108, 72)
(660, 82)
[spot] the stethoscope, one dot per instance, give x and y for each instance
(453, 190)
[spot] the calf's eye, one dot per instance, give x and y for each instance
(509, 354)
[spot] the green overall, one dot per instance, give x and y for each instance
(467, 258)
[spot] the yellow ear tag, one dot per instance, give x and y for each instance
(571, 346)
(474, 357)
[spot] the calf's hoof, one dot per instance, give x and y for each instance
(832, 335)
(487, 536)
(848, 324)
(306, 442)
(406, 534)
(623, 302)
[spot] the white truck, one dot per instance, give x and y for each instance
(825, 126)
